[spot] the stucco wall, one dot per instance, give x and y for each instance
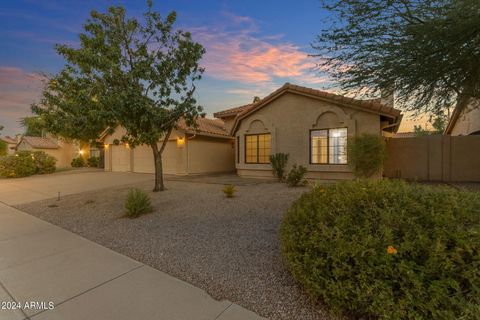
(467, 122)
(209, 155)
(434, 158)
(184, 154)
(289, 120)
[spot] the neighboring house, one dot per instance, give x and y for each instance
(465, 122)
(63, 151)
(11, 144)
(312, 126)
(205, 149)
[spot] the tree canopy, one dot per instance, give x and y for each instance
(427, 50)
(135, 73)
(33, 126)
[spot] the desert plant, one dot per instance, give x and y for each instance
(296, 176)
(44, 163)
(78, 162)
(366, 154)
(229, 190)
(137, 203)
(21, 164)
(279, 162)
(93, 162)
(387, 249)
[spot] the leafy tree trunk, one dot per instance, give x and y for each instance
(157, 157)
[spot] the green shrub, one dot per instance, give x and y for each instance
(18, 165)
(137, 203)
(26, 163)
(229, 190)
(296, 176)
(44, 163)
(366, 154)
(387, 249)
(279, 162)
(93, 162)
(78, 162)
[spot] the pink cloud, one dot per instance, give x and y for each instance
(236, 52)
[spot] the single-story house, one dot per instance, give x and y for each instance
(11, 144)
(312, 126)
(61, 150)
(208, 148)
(465, 122)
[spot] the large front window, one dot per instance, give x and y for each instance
(258, 148)
(328, 146)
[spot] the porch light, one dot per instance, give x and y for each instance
(80, 152)
(126, 145)
(106, 146)
(180, 141)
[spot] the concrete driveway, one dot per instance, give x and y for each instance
(40, 187)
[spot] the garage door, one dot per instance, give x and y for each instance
(143, 159)
(120, 158)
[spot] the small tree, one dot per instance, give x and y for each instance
(34, 126)
(138, 74)
(366, 154)
(279, 162)
(3, 145)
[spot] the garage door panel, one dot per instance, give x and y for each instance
(143, 159)
(120, 159)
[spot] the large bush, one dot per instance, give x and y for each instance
(44, 163)
(366, 154)
(387, 249)
(26, 163)
(19, 165)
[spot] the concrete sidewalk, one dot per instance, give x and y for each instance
(42, 263)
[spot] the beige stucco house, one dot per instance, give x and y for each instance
(465, 122)
(208, 148)
(312, 126)
(61, 150)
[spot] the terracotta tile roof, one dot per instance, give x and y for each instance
(209, 126)
(9, 140)
(232, 111)
(372, 105)
(40, 142)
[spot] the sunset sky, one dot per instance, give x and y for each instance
(253, 47)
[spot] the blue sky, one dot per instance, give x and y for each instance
(253, 47)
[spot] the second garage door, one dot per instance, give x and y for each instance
(120, 158)
(143, 159)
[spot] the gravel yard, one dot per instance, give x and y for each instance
(228, 247)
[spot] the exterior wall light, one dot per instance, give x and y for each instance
(180, 141)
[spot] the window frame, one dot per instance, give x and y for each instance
(258, 157)
(328, 148)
